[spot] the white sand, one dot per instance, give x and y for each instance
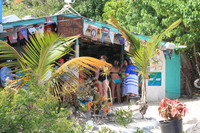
(191, 118)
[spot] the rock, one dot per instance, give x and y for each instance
(194, 129)
(137, 115)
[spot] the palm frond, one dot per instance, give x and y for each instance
(83, 63)
(65, 78)
(158, 38)
(7, 52)
(40, 53)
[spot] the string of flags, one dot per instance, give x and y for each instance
(77, 26)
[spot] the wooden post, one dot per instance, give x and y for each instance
(122, 51)
(77, 48)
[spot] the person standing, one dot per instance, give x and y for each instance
(131, 81)
(102, 80)
(115, 81)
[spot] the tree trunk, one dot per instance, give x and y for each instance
(143, 102)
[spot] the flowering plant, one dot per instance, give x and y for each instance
(172, 109)
(86, 106)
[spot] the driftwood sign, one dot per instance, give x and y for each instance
(69, 26)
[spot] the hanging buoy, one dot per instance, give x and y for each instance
(197, 83)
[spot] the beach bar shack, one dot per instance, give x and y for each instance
(101, 39)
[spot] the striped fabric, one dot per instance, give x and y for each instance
(131, 83)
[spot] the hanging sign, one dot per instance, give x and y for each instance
(93, 32)
(69, 26)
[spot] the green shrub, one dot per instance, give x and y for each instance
(33, 110)
(124, 116)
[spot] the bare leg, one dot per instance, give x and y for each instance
(113, 85)
(100, 88)
(127, 98)
(132, 94)
(105, 88)
(118, 93)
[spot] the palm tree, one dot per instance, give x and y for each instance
(36, 60)
(142, 52)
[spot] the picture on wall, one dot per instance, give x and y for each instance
(155, 79)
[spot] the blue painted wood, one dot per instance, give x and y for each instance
(173, 76)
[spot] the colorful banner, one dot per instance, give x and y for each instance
(93, 32)
(105, 32)
(69, 26)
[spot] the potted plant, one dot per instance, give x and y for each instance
(172, 112)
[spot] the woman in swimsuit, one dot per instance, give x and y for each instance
(115, 81)
(103, 81)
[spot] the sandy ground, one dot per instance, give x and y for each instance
(191, 118)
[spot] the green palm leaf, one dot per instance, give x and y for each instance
(41, 53)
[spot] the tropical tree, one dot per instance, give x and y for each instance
(142, 52)
(39, 8)
(37, 59)
(90, 8)
(151, 17)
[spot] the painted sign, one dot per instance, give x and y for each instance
(69, 26)
(156, 63)
(155, 79)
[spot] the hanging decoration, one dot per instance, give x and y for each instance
(11, 39)
(40, 30)
(126, 45)
(24, 33)
(85, 27)
(69, 26)
(170, 52)
(20, 36)
(32, 30)
(112, 36)
(105, 32)
(165, 53)
(121, 39)
(93, 32)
